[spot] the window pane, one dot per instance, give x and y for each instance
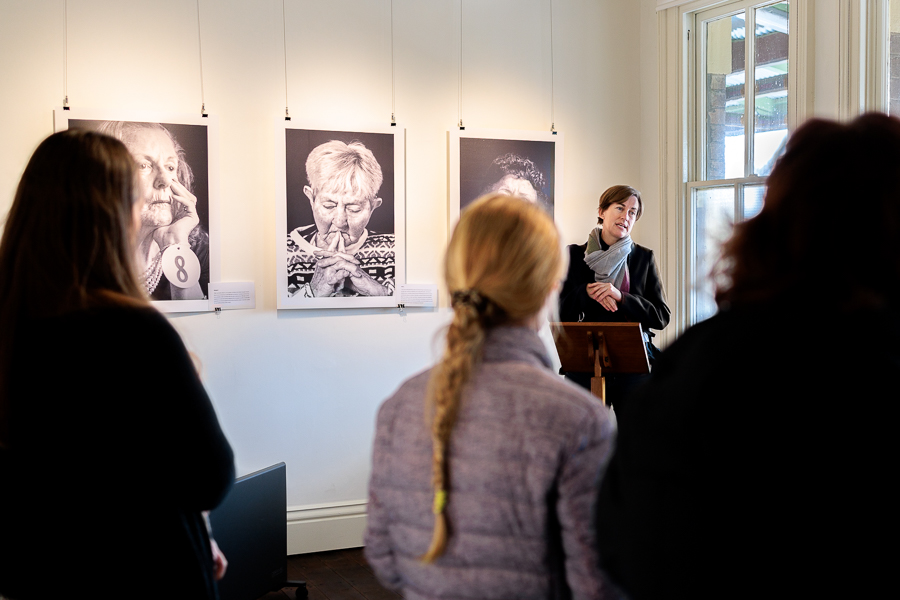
(753, 200)
(713, 217)
(725, 60)
(895, 58)
(771, 77)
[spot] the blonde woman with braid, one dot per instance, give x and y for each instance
(484, 467)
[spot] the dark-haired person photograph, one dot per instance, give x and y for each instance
(521, 168)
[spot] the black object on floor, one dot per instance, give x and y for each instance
(250, 527)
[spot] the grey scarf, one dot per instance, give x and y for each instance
(609, 266)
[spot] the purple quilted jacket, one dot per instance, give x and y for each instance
(525, 458)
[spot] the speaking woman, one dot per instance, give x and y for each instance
(612, 279)
(109, 446)
(489, 495)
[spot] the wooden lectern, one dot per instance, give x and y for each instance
(595, 347)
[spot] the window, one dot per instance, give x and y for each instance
(893, 47)
(738, 135)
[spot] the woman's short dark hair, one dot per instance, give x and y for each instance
(619, 194)
(69, 236)
(796, 246)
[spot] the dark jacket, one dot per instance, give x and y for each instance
(644, 303)
(525, 452)
(115, 451)
(758, 460)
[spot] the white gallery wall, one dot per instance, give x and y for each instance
(303, 386)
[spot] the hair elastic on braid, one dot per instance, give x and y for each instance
(440, 501)
(470, 298)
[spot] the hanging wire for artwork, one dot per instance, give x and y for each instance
(552, 87)
(460, 82)
(66, 55)
(287, 114)
(393, 88)
(200, 52)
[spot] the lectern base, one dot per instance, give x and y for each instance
(598, 388)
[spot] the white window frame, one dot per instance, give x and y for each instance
(698, 165)
(863, 44)
(678, 158)
(694, 257)
(699, 97)
(877, 47)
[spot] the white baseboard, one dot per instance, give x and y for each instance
(321, 527)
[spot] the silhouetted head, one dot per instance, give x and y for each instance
(70, 230)
(830, 222)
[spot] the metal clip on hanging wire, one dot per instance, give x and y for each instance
(287, 114)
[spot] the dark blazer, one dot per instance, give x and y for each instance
(644, 303)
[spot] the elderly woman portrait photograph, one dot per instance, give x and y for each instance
(340, 214)
(173, 240)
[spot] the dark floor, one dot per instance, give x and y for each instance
(335, 575)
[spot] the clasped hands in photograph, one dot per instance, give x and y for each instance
(334, 266)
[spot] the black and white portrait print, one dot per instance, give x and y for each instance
(173, 242)
(524, 168)
(339, 214)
